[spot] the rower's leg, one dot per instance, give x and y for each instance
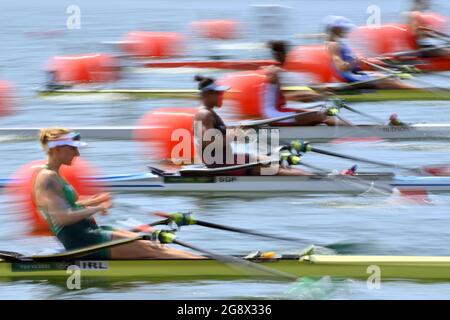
(147, 250)
(333, 121)
(392, 84)
(292, 172)
(310, 119)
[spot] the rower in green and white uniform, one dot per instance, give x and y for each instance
(71, 219)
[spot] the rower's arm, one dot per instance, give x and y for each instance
(207, 121)
(340, 64)
(57, 207)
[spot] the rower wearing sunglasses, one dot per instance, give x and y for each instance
(71, 219)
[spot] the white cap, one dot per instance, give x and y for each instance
(215, 87)
(71, 139)
(338, 22)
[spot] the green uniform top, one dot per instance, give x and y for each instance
(80, 234)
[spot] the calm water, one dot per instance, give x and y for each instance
(371, 224)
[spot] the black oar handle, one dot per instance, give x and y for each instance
(245, 231)
(379, 163)
(363, 114)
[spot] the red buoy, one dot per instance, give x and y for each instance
(432, 20)
(167, 133)
(152, 44)
(246, 92)
(83, 68)
(314, 60)
(216, 29)
(21, 190)
(371, 41)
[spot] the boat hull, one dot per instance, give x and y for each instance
(377, 182)
(350, 96)
(286, 133)
(356, 267)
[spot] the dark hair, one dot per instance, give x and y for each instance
(279, 50)
(203, 81)
(278, 46)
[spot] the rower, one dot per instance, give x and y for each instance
(347, 64)
(211, 96)
(274, 99)
(394, 121)
(424, 33)
(52, 82)
(71, 219)
(279, 50)
(274, 104)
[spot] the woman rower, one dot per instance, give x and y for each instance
(211, 96)
(275, 100)
(71, 219)
(275, 105)
(347, 64)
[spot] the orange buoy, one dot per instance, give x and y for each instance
(6, 98)
(83, 68)
(167, 133)
(432, 20)
(375, 40)
(152, 44)
(21, 190)
(216, 29)
(313, 60)
(246, 90)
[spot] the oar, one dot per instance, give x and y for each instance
(186, 219)
(341, 104)
(163, 237)
(396, 73)
(349, 178)
(167, 238)
(257, 123)
(379, 163)
(305, 146)
(412, 52)
(441, 91)
(368, 116)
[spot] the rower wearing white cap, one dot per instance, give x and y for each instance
(347, 64)
(211, 95)
(71, 219)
